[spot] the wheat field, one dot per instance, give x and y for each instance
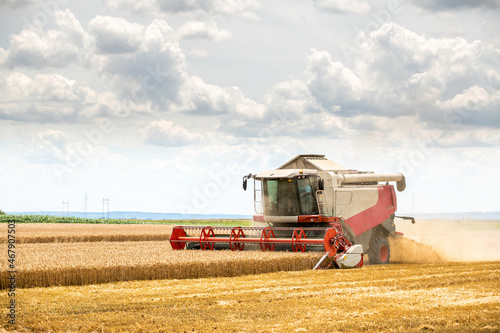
(444, 297)
(66, 232)
(63, 264)
(64, 254)
(143, 286)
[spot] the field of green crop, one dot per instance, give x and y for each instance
(5, 218)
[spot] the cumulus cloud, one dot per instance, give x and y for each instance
(393, 72)
(331, 83)
(17, 3)
(288, 101)
(143, 67)
(168, 134)
(115, 34)
(54, 98)
(469, 137)
(46, 97)
(344, 6)
(396, 77)
(54, 48)
(201, 98)
(138, 6)
(456, 4)
(475, 105)
(473, 98)
(397, 72)
(201, 30)
(49, 146)
(63, 157)
(366, 6)
(155, 69)
(243, 8)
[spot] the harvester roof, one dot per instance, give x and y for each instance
(284, 173)
(312, 161)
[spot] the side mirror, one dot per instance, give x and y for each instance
(245, 178)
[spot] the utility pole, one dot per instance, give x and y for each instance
(105, 201)
(85, 208)
(65, 203)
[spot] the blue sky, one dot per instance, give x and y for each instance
(163, 105)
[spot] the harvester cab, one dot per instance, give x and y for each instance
(312, 201)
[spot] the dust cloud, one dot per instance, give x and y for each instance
(431, 241)
(404, 250)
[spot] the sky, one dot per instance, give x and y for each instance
(163, 105)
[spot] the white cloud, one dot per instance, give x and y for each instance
(200, 30)
(53, 48)
(49, 146)
(102, 105)
(397, 72)
(290, 100)
(46, 97)
(331, 83)
(469, 137)
(151, 74)
(201, 98)
(456, 4)
(342, 6)
(17, 3)
(245, 8)
(168, 134)
(474, 105)
(144, 67)
(139, 6)
(473, 98)
(397, 80)
(115, 34)
(160, 8)
(55, 98)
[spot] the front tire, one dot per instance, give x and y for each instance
(379, 251)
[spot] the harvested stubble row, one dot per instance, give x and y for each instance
(66, 233)
(42, 265)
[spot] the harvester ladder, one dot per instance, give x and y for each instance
(320, 197)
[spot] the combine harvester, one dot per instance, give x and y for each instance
(312, 201)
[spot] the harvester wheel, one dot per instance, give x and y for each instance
(379, 251)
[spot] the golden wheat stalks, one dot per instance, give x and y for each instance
(49, 264)
(66, 233)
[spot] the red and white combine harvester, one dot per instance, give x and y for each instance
(312, 202)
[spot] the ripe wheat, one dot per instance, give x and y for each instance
(66, 232)
(42, 265)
